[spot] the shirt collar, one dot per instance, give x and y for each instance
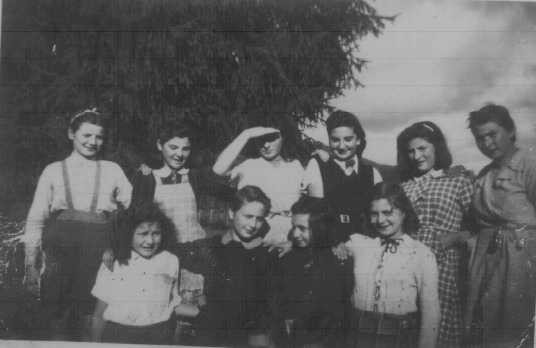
(165, 171)
(342, 164)
(431, 174)
(135, 257)
(229, 236)
(405, 240)
(79, 160)
(515, 161)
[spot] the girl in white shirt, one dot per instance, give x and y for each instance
(395, 295)
(273, 172)
(136, 300)
(70, 221)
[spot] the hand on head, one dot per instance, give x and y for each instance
(256, 132)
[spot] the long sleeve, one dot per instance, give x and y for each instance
(196, 256)
(530, 177)
(428, 300)
(312, 180)
(40, 209)
(143, 187)
(123, 188)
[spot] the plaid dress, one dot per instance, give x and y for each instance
(441, 201)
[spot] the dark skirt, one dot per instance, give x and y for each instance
(381, 330)
(319, 329)
(73, 244)
(160, 333)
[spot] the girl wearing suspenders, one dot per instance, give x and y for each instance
(69, 224)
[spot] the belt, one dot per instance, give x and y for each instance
(510, 232)
(384, 323)
(345, 218)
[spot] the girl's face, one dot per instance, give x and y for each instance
(386, 219)
(146, 239)
(343, 142)
(494, 141)
(87, 139)
(421, 154)
(270, 146)
(300, 234)
(248, 220)
(175, 152)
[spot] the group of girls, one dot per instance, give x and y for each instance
(406, 242)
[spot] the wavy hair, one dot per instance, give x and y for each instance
(430, 132)
(396, 196)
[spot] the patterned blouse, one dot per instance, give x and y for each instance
(440, 201)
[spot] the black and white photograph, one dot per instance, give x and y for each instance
(267, 173)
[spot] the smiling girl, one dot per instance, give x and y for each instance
(73, 199)
(175, 188)
(441, 198)
(395, 277)
(136, 300)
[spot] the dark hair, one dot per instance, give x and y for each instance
(171, 130)
(492, 113)
(248, 194)
(128, 220)
(430, 132)
(290, 135)
(87, 116)
(320, 219)
(398, 199)
(341, 118)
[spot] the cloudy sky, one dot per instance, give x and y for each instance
(440, 60)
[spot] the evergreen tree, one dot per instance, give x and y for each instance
(220, 66)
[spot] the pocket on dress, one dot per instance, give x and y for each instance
(508, 183)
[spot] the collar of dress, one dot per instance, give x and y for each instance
(165, 171)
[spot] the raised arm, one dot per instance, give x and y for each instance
(228, 156)
(428, 300)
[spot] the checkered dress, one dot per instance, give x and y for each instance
(440, 202)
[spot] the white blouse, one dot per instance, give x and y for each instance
(143, 292)
(50, 192)
(393, 283)
(280, 181)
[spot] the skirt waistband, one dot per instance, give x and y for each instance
(385, 323)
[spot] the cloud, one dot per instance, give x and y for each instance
(440, 60)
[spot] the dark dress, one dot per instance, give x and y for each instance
(312, 298)
(238, 287)
(348, 197)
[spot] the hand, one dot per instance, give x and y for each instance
(108, 258)
(449, 239)
(187, 310)
(459, 170)
(32, 271)
(341, 251)
(281, 248)
(256, 132)
(145, 169)
(322, 154)
(258, 340)
(471, 243)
